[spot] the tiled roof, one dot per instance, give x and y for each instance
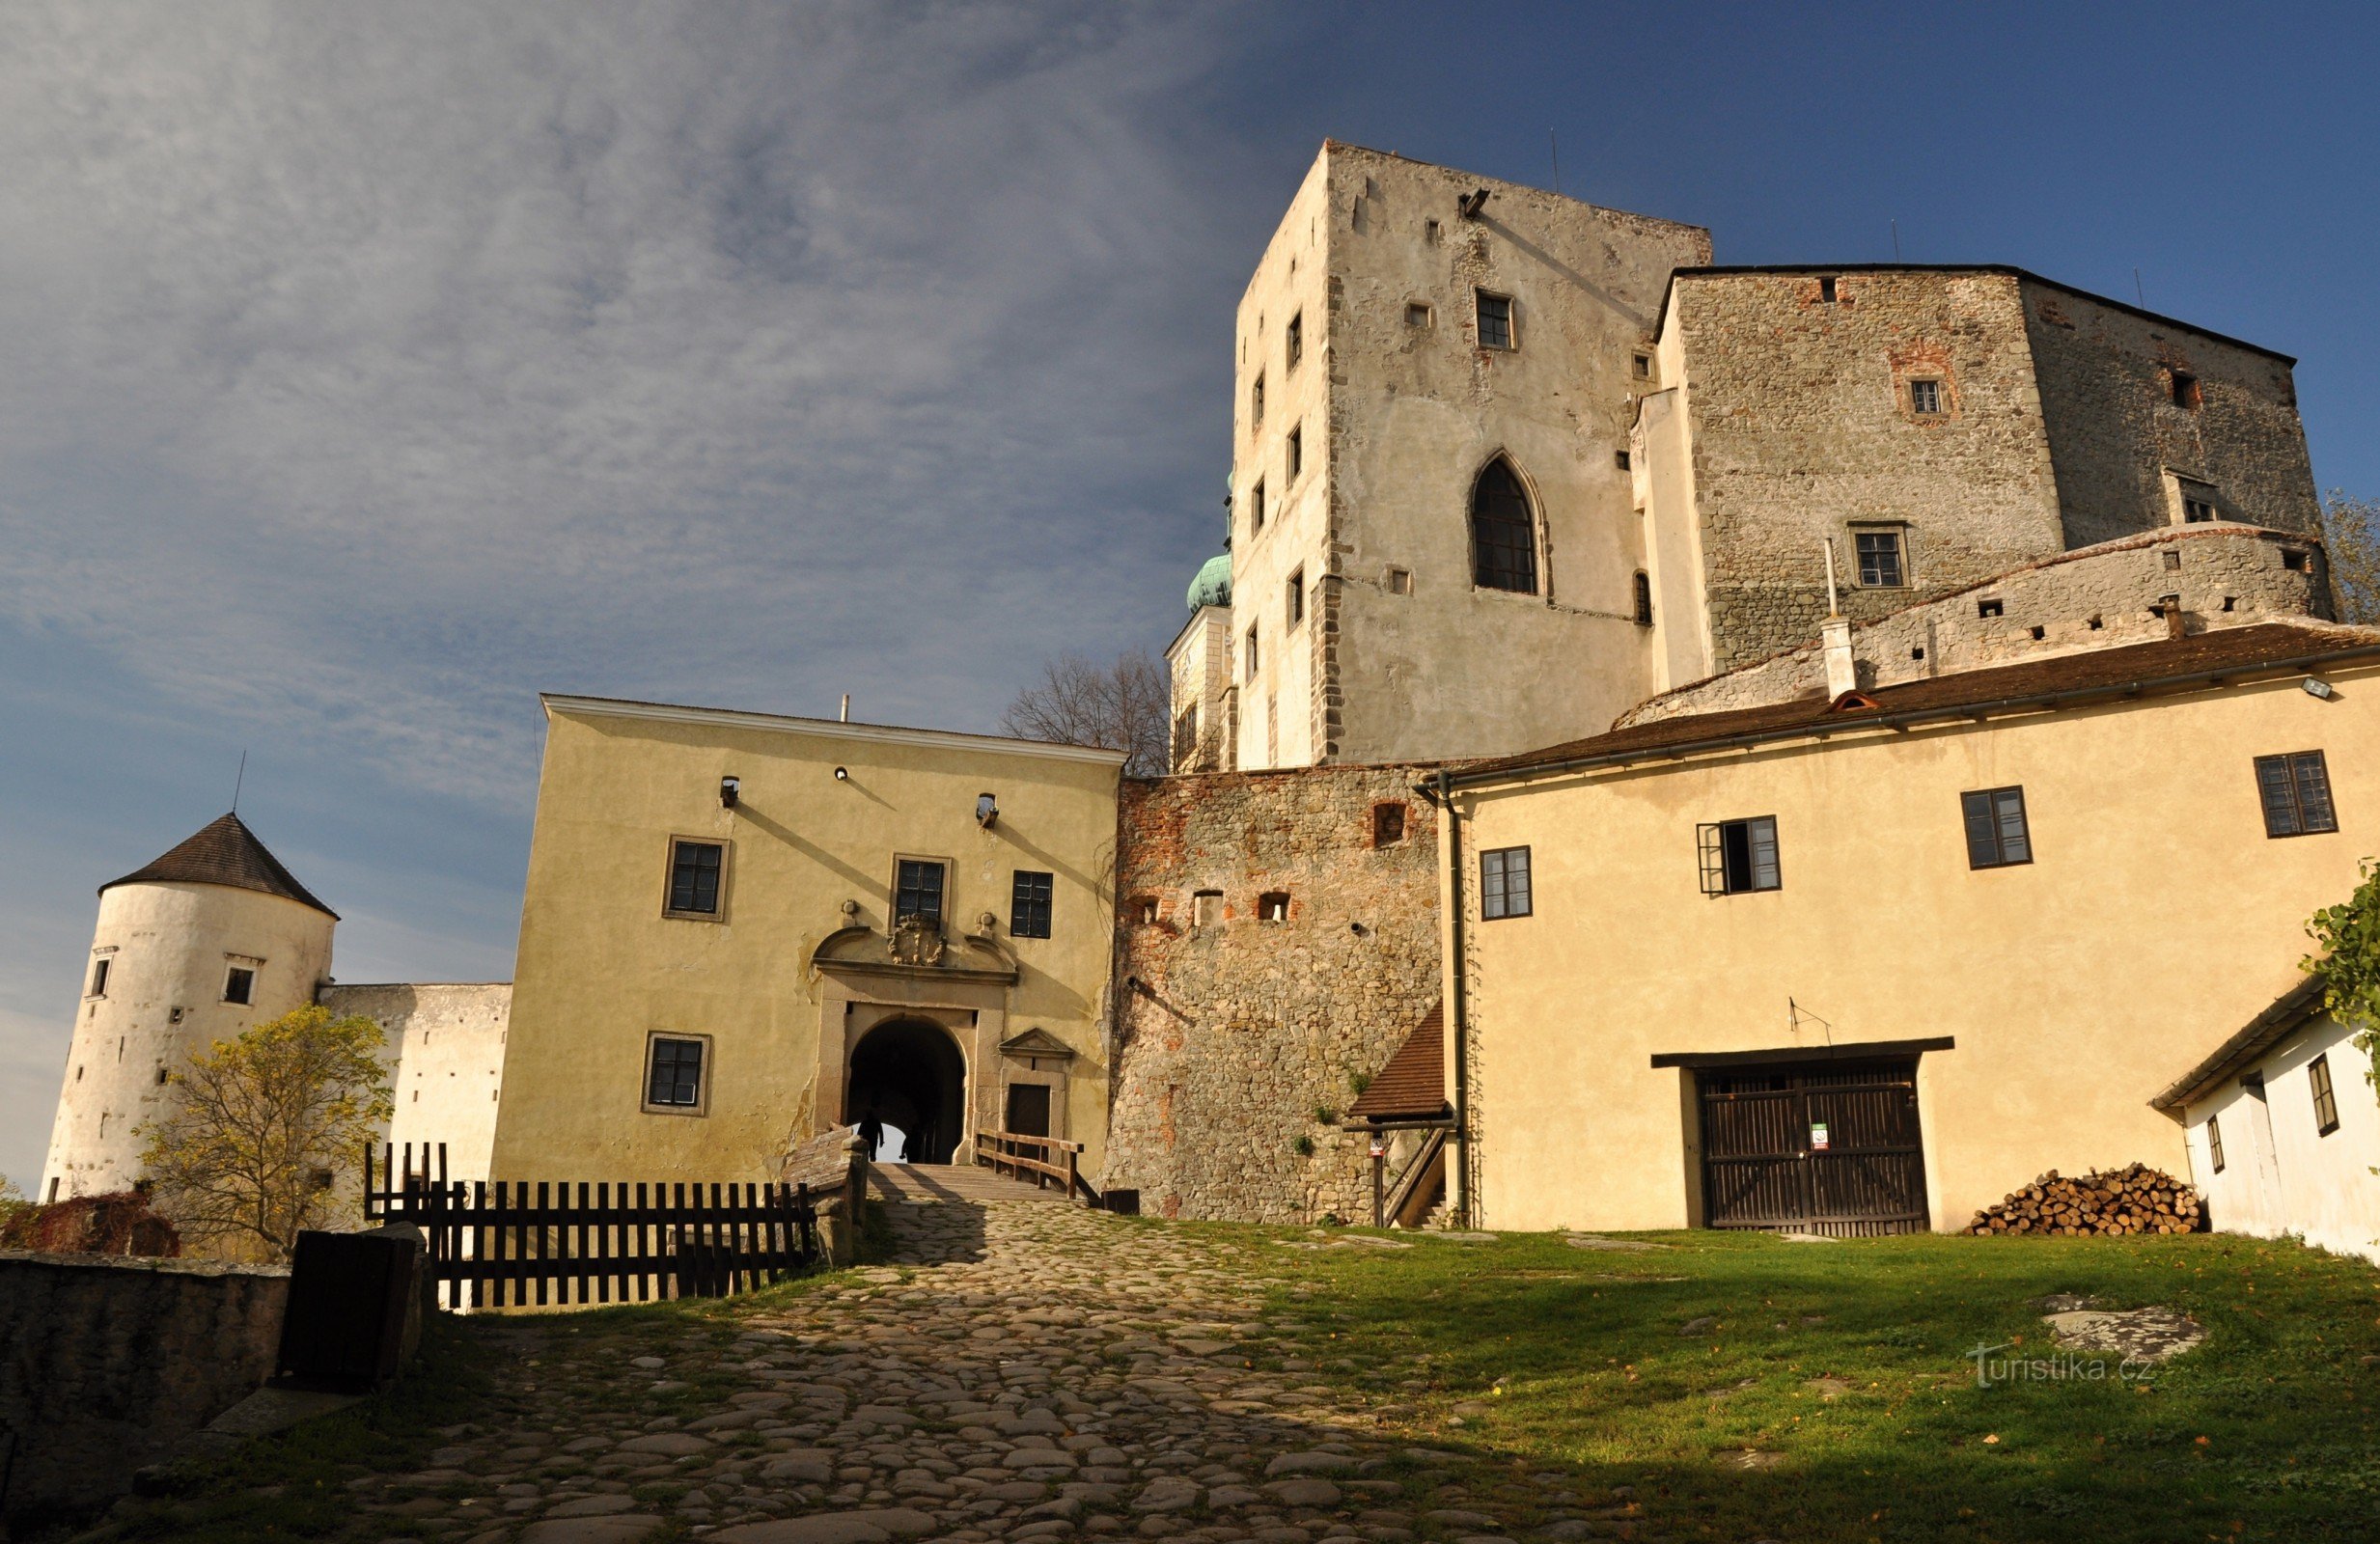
(1412, 1087)
(2173, 661)
(224, 852)
(2245, 1048)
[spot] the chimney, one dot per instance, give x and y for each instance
(1843, 670)
(2171, 607)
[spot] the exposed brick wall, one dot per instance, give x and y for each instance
(2226, 575)
(2107, 394)
(1240, 1029)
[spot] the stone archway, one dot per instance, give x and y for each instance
(914, 1076)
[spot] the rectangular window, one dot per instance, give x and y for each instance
(694, 877)
(1503, 883)
(1642, 366)
(1925, 398)
(1253, 653)
(2195, 509)
(2326, 1103)
(1400, 581)
(1256, 403)
(1297, 338)
(917, 889)
(2214, 1141)
(1297, 597)
(2297, 560)
(1029, 905)
(2296, 792)
(1185, 737)
(1416, 314)
(1739, 856)
(1986, 610)
(1256, 508)
(1495, 321)
(1388, 824)
(239, 985)
(98, 975)
(1997, 836)
(1880, 558)
(2186, 392)
(1826, 290)
(1298, 453)
(674, 1080)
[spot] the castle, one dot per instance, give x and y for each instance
(1762, 554)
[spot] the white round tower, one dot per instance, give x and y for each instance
(212, 937)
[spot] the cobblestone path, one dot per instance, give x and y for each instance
(1022, 1370)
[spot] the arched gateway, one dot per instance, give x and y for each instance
(912, 1075)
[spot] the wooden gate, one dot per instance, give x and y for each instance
(1830, 1148)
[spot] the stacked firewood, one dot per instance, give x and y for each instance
(2133, 1200)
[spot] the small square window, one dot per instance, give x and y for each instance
(1641, 366)
(694, 867)
(2325, 1102)
(1826, 290)
(239, 985)
(1418, 313)
(1029, 904)
(1495, 321)
(917, 888)
(1988, 609)
(674, 1076)
(2172, 560)
(1142, 909)
(1256, 507)
(2297, 560)
(1388, 824)
(1297, 598)
(1206, 907)
(1298, 453)
(1430, 231)
(1880, 558)
(1619, 459)
(1297, 339)
(98, 975)
(1739, 856)
(2185, 389)
(1400, 581)
(1273, 906)
(2295, 790)
(1997, 835)
(1503, 883)
(2214, 1141)
(1254, 654)
(2197, 510)
(1925, 398)
(1255, 403)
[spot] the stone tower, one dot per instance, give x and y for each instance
(1416, 338)
(209, 939)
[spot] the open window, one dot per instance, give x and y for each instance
(1739, 855)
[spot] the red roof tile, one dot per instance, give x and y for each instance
(1412, 1085)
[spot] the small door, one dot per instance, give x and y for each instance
(1819, 1150)
(1028, 1110)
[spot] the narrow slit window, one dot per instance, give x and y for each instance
(2296, 793)
(1256, 403)
(1505, 883)
(1029, 904)
(1256, 508)
(1298, 453)
(1296, 340)
(1879, 557)
(1296, 599)
(1495, 321)
(98, 975)
(2214, 1141)
(1644, 599)
(675, 1079)
(1996, 834)
(917, 889)
(2325, 1102)
(1739, 855)
(1254, 653)
(694, 867)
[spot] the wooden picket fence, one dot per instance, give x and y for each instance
(520, 1243)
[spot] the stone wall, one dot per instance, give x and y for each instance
(1234, 1032)
(1802, 430)
(2226, 575)
(2116, 432)
(106, 1362)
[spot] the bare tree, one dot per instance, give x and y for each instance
(1120, 706)
(2351, 530)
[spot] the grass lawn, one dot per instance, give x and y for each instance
(1552, 1356)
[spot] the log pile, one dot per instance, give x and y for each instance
(2133, 1200)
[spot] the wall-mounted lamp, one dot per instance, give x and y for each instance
(843, 775)
(987, 811)
(730, 788)
(2316, 686)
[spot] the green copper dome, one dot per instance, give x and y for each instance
(1213, 585)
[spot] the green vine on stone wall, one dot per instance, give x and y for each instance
(2349, 965)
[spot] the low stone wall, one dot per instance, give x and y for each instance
(1234, 1030)
(2097, 598)
(106, 1362)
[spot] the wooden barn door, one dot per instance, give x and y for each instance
(1819, 1150)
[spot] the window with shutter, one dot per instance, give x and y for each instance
(1739, 856)
(1997, 835)
(2296, 793)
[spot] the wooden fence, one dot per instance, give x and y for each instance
(1042, 1161)
(516, 1244)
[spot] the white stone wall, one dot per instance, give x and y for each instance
(446, 1053)
(2280, 1174)
(171, 948)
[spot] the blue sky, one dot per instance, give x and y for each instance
(371, 368)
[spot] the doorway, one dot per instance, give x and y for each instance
(1833, 1149)
(1028, 1110)
(913, 1078)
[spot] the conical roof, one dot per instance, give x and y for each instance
(224, 852)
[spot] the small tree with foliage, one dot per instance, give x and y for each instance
(2349, 965)
(257, 1128)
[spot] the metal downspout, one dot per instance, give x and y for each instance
(1457, 1094)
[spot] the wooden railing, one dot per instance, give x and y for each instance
(512, 1243)
(1041, 1160)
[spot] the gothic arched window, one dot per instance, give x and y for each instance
(1504, 538)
